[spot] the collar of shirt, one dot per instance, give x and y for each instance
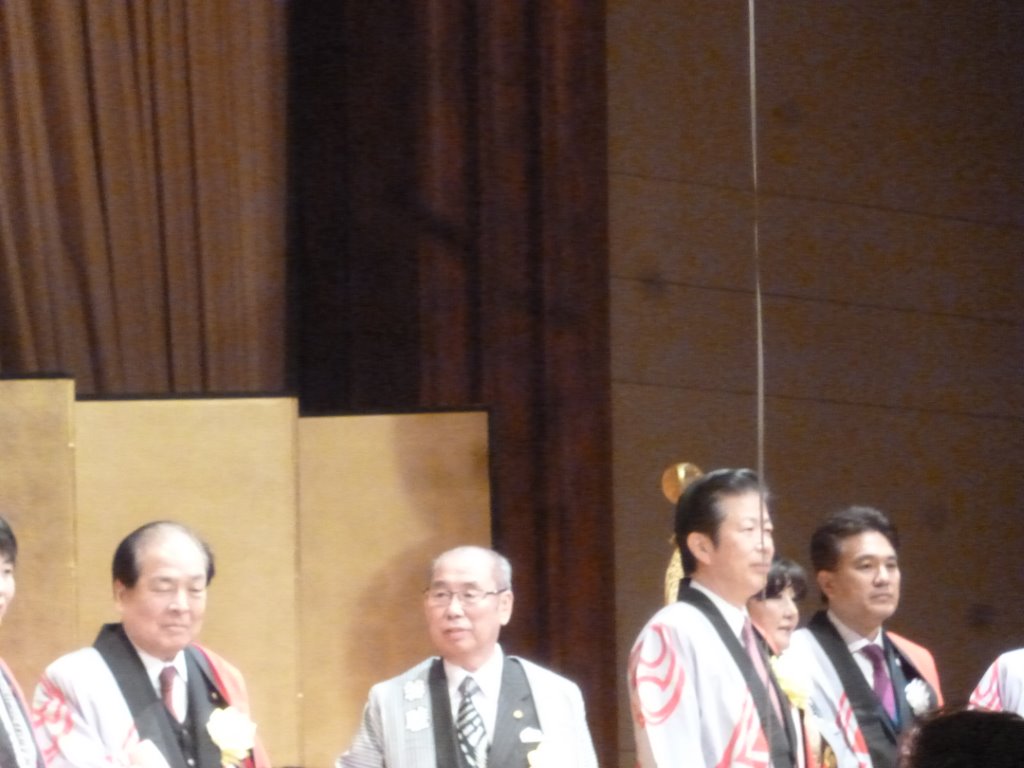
(488, 677)
(734, 617)
(153, 666)
(854, 642)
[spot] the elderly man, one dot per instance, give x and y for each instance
(472, 706)
(700, 688)
(868, 684)
(144, 694)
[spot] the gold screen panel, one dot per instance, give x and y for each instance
(381, 496)
(225, 466)
(37, 498)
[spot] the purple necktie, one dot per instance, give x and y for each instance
(882, 684)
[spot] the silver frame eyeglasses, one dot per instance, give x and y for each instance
(442, 597)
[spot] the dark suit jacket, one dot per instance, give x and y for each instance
(516, 711)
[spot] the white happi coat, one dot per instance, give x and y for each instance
(1001, 688)
(82, 720)
(829, 706)
(689, 700)
(79, 705)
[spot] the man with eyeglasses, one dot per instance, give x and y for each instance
(472, 706)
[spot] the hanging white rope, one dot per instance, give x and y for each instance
(758, 309)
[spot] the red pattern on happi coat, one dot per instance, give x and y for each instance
(663, 671)
(851, 731)
(986, 695)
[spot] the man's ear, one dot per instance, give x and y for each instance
(700, 546)
(505, 600)
(119, 593)
(826, 582)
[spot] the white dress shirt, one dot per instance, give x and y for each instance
(179, 692)
(488, 678)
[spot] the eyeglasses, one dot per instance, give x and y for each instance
(437, 597)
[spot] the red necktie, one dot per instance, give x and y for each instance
(167, 675)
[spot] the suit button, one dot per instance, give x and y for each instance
(191, 761)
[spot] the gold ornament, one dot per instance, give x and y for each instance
(674, 480)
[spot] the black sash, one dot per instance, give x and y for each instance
(516, 711)
(878, 729)
(152, 720)
(445, 746)
(781, 736)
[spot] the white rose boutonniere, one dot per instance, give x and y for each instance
(793, 680)
(919, 696)
(414, 690)
(417, 719)
(233, 732)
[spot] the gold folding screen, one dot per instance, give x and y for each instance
(322, 527)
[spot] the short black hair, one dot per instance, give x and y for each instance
(967, 738)
(784, 573)
(698, 510)
(827, 540)
(125, 567)
(8, 542)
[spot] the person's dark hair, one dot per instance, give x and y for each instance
(698, 510)
(784, 573)
(125, 567)
(827, 540)
(966, 738)
(8, 542)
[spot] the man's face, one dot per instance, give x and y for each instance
(466, 634)
(777, 617)
(164, 611)
(6, 585)
(864, 589)
(737, 566)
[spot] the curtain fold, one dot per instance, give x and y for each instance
(142, 209)
(496, 237)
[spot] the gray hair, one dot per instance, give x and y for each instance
(502, 570)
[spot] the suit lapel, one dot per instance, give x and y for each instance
(903, 671)
(204, 696)
(151, 718)
(516, 712)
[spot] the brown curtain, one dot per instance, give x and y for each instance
(446, 236)
(451, 243)
(142, 204)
